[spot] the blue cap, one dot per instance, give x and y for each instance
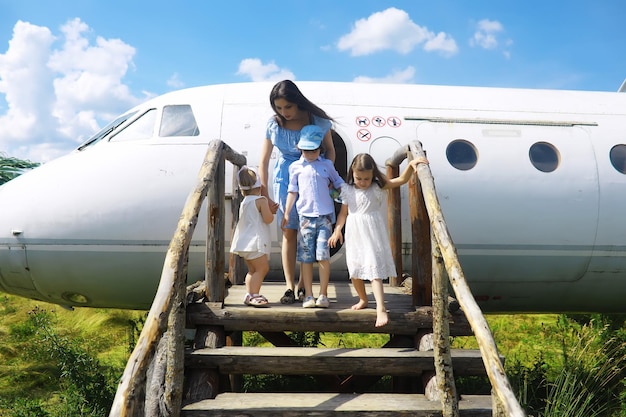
(310, 137)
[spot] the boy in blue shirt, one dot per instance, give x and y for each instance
(310, 178)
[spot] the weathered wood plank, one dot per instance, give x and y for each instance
(403, 318)
(326, 361)
(328, 404)
(314, 320)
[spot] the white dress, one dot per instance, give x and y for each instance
(252, 234)
(368, 251)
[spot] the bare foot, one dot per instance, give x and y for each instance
(381, 318)
(360, 305)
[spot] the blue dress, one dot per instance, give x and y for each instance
(286, 141)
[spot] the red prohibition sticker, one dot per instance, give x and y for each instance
(378, 121)
(394, 121)
(363, 135)
(362, 121)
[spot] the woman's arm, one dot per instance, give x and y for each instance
(329, 147)
(266, 153)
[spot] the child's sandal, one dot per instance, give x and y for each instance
(256, 300)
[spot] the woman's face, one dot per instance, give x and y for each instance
(287, 109)
(363, 179)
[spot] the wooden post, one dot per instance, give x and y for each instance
(421, 262)
(441, 329)
(202, 384)
(394, 223)
(236, 264)
(214, 272)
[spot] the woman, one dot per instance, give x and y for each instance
(292, 111)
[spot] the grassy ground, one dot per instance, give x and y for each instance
(24, 373)
(109, 334)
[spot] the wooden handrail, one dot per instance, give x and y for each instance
(160, 347)
(478, 323)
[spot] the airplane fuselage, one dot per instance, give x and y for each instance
(531, 184)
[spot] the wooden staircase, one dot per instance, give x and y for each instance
(161, 376)
(344, 377)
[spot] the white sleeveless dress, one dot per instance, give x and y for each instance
(252, 234)
(367, 246)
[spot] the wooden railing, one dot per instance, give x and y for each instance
(444, 253)
(152, 382)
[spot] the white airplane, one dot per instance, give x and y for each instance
(532, 185)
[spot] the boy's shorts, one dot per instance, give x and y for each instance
(313, 239)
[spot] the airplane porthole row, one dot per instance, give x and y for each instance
(544, 156)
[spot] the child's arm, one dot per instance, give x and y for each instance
(291, 199)
(264, 208)
(406, 174)
(341, 221)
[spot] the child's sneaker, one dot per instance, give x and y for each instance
(309, 302)
(301, 294)
(322, 301)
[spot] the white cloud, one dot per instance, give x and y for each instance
(392, 29)
(175, 82)
(58, 96)
(396, 77)
(257, 71)
(488, 36)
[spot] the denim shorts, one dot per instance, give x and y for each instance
(313, 239)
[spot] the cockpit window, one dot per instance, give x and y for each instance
(106, 130)
(141, 128)
(462, 154)
(618, 158)
(178, 120)
(544, 156)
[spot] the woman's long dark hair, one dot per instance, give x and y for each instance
(365, 162)
(287, 90)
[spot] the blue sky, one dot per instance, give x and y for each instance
(68, 67)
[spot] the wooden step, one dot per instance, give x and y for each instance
(298, 319)
(328, 405)
(329, 361)
(404, 319)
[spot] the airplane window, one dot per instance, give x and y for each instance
(462, 154)
(544, 156)
(106, 130)
(618, 158)
(141, 128)
(178, 121)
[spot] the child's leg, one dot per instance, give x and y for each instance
(379, 295)
(324, 270)
(257, 270)
(322, 251)
(359, 286)
(307, 278)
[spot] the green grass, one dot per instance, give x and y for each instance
(536, 347)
